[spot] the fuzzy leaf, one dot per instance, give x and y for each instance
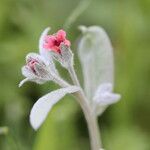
(42, 107)
(46, 54)
(104, 97)
(41, 41)
(95, 52)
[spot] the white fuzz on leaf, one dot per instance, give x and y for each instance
(41, 41)
(104, 96)
(95, 52)
(46, 54)
(96, 55)
(42, 107)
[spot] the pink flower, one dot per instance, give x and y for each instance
(53, 42)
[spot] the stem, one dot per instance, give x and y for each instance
(60, 81)
(73, 75)
(90, 117)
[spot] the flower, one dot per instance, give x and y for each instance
(36, 69)
(56, 46)
(53, 42)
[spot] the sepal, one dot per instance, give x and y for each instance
(65, 58)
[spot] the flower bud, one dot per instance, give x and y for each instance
(59, 47)
(66, 56)
(36, 69)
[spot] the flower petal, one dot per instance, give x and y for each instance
(61, 35)
(42, 107)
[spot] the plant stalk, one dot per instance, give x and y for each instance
(90, 117)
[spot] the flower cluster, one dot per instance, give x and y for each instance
(40, 67)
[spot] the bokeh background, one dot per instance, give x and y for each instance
(125, 125)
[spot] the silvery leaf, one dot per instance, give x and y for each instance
(42, 107)
(46, 54)
(96, 56)
(104, 97)
(103, 88)
(42, 51)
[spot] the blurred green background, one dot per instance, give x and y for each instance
(125, 125)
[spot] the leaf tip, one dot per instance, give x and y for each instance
(83, 29)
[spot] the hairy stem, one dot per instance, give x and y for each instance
(90, 117)
(59, 81)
